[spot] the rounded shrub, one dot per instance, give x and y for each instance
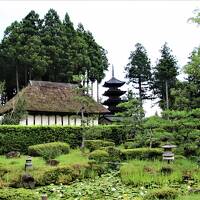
(129, 145)
(49, 150)
(97, 144)
(99, 156)
(162, 194)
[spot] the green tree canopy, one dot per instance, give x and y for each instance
(165, 74)
(139, 71)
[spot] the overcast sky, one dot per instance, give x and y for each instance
(119, 25)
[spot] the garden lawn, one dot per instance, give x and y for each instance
(15, 166)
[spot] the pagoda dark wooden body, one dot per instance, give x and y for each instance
(113, 93)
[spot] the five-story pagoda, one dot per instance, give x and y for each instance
(113, 93)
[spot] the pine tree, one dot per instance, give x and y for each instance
(139, 71)
(165, 74)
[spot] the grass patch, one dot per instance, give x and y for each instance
(189, 197)
(149, 173)
(15, 166)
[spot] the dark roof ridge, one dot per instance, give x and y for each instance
(51, 84)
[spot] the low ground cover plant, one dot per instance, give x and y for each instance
(18, 194)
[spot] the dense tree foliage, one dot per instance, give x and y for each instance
(48, 49)
(165, 74)
(139, 71)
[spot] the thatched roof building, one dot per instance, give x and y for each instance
(45, 101)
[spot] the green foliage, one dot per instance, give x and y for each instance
(99, 156)
(165, 74)
(150, 173)
(97, 144)
(49, 150)
(107, 186)
(19, 112)
(132, 113)
(18, 194)
(139, 70)
(20, 137)
(129, 145)
(57, 175)
(49, 49)
(163, 193)
(2, 89)
(142, 153)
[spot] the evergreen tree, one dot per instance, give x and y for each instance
(192, 70)
(53, 38)
(165, 75)
(139, 71)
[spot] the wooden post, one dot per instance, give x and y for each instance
(44, 197)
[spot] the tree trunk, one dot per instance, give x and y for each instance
(167, 94)
(17, 78)
(83, 134)
(25, 76)
(92, 89)
(97, 92)
(140, 90)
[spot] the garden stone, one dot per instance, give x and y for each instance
(28, 181)
(13, 154)
(53, 162)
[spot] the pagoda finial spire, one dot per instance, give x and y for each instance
(112, 70)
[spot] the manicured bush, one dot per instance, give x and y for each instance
(129, 145)
(113, 152)
(49, 150)
(99, 156)
(57, 175)
(97, 144)
(142, 153)
(18, 138)
(162, 194)
(18, 194)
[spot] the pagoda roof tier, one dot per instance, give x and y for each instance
(114, 109)
(113, 101)
(112, 92)
(113, 82)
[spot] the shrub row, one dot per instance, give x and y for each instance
(97, 144)
(162, 194)
(59, 175)
(20, 137)
(48, 150)
(141, 153)
(115, 155)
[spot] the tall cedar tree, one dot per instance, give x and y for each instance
(139, 71)
(192, 70)
(50, 50)
(165, 75)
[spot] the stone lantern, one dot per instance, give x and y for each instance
(28, 164)
(167, 154)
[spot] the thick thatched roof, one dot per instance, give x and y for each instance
(42, 96)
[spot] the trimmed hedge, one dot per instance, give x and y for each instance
(49, 150)
(142, 153)
(163, 193)
(97, 144)
(18, 194)
(15, 137)
(99, 156)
